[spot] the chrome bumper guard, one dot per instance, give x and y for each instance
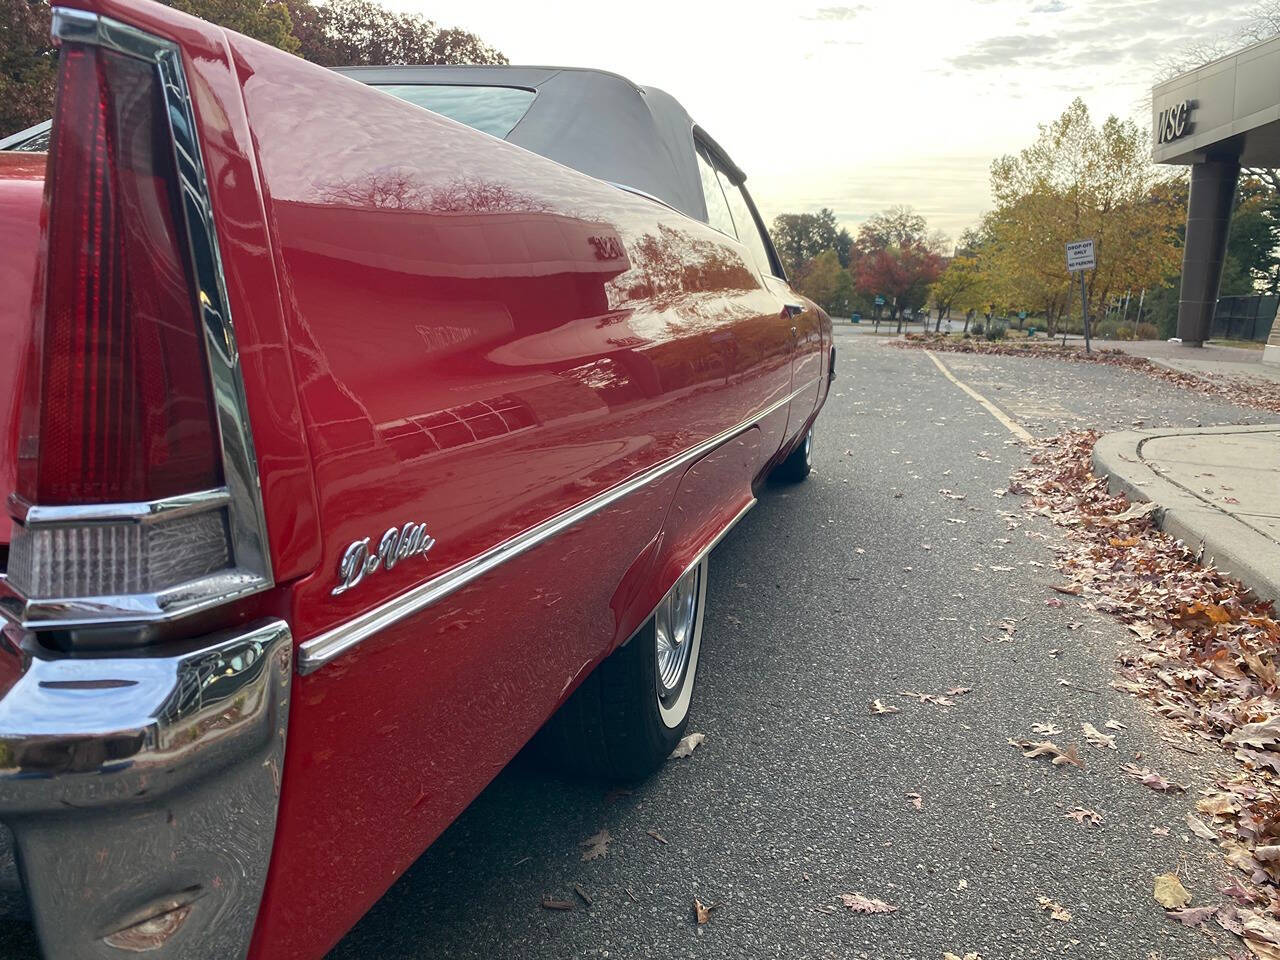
(141, 789)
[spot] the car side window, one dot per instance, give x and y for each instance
(745, 221)
(718, 214)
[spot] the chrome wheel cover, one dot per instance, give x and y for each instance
(677, 636)
(808, 448)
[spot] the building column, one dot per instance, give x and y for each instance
(1213, 188)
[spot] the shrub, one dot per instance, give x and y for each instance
(997, 331)
(1114, 329)
(1148, 331)
(976, 329)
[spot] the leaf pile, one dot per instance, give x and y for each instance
(1206, 660)
(1263, 394)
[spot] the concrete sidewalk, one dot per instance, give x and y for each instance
(1209, 360)
(1216, 486)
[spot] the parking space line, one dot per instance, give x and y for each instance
(990, 407)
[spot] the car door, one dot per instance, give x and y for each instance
(774, 329)
(800, 319)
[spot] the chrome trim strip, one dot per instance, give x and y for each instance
(126, 609)
(715, 541)
(30, 515)
(320, 649)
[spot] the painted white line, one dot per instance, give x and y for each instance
(990, 407)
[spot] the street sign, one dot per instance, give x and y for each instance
(880, 298)
(1080, 256)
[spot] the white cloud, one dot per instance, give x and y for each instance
(862, 105)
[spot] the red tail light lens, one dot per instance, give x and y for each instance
(122, 408)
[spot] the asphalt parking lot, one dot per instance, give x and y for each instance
(864, 583)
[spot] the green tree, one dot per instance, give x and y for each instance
(959, 286)
(1253, 245)
(362, 32)
(265, 20)
(28, 68)
(800, 237)
(1080, 180)
(331, 33)
(827, 283)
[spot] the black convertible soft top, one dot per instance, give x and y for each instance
(594, 121)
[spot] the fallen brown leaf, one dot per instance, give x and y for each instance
(702, 912)
(1097, 738)
(597, 845)
(1083, 815)
(861, 903)
(1192, 916)
(1200, 828)
(1056, 910)
(1149, 778)
(548, 903)
(878, 706)
(1046, 748)
(1169, 891)
(688, 744)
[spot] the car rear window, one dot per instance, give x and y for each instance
(494, 110)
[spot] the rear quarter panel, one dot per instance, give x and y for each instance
(481, 338)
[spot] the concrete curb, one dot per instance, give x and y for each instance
(1228, 543)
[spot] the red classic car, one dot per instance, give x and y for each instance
(353, 445)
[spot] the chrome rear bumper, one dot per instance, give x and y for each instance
(142, 789)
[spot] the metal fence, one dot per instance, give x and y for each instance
(1244, 318)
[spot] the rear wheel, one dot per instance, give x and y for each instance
(798, 463)
(629, 714)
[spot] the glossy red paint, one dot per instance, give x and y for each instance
(466, 359)
(21, 194)
(438, 327)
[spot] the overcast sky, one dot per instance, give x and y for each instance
(860, 106)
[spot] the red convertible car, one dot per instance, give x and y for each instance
(364, 425)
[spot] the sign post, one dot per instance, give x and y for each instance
(1079, 259)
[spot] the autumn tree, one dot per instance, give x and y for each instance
(902, 273)
(265, 20)
(800, 237)
(28, 70)
(958, 286)
(1079, 180)
(329, 32)
(827, 283)
(339, 33)
(896, 255)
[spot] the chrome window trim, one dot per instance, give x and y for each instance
(241, 495)
(324, 647)
(14, 141)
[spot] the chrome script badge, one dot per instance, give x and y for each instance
(358, 561)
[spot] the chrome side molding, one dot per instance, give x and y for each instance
(170, 764)
(319, 650)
